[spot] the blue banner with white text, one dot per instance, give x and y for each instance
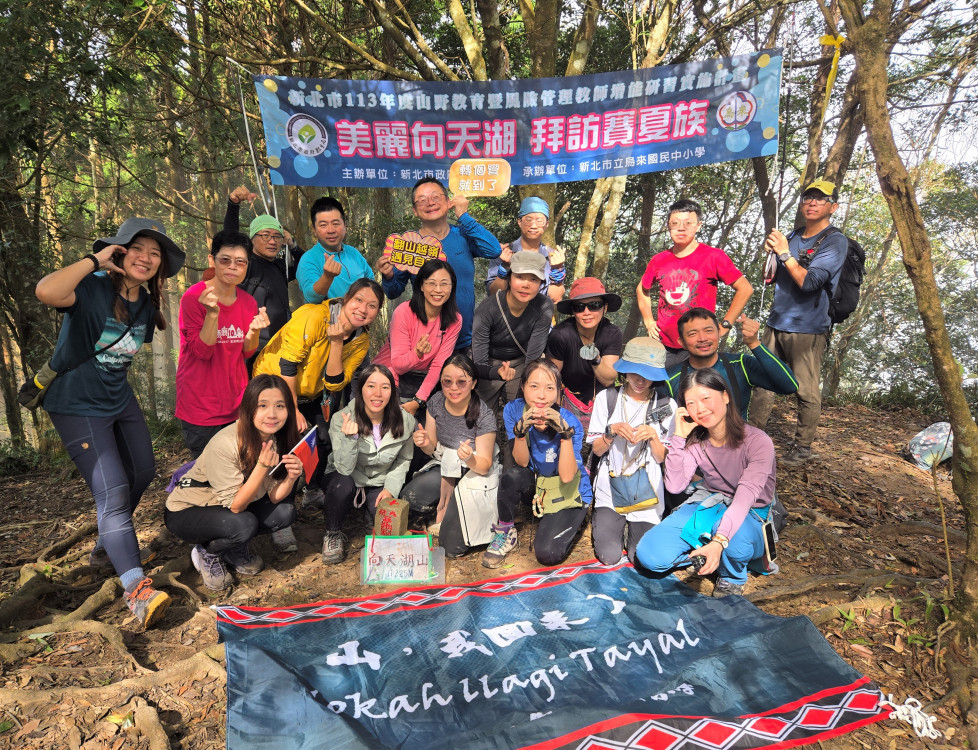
(581, 655)
(355, 133)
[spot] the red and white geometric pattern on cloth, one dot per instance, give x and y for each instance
(803, 723)
(407, 598)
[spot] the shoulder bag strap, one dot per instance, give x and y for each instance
(508, 327)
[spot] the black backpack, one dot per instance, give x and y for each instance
(846, 298)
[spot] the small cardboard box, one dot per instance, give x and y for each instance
(391, 518)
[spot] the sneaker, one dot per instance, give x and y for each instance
(99, 558)
(284, 540)
(334, 547)
(147, 603)
(244, 560)
(503, 542)
(313, 497)
(211, 569)
(796, 457)
(726, 587)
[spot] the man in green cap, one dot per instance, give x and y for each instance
(269, 273)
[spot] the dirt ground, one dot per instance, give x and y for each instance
(863, 556)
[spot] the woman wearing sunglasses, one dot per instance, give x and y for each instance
(586, 346)
(219, 329)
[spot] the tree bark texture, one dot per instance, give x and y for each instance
(868, 42)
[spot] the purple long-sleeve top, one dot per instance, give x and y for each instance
(747, 472)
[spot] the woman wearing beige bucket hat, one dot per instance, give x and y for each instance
(108, 312)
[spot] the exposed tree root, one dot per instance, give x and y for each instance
(63, 545)
(168, 575)
(206, 663)
(918, 528)
(813, 582)
(149, 725)
(111, 634)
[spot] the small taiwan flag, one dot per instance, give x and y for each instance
(308, 453)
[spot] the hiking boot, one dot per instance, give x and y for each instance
(211, 568)
(434, 529)
(99, 558)
(244, 560)
(796, 457)
(313, 497)
(147, 603)
(284, 540)
(503, 542)
(334, 547)
(726, 587)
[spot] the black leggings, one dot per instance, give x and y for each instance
(219, 529)
(340, 491)
(556, 532)
(608, 535)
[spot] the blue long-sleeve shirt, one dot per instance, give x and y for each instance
(354, 267)
(465, 242)
(758, 369)
(805, 309)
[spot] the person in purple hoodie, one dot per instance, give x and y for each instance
(722, 521)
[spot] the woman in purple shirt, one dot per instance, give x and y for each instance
(722, 521)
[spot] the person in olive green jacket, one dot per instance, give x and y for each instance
(372, 451)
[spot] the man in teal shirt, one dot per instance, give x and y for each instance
(328, 268)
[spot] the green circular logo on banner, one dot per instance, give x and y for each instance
(306, 135)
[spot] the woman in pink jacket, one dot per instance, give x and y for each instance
(423, 333)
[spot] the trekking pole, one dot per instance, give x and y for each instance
(771, 263)
(259, 183)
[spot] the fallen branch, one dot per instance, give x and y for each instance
(833, 611)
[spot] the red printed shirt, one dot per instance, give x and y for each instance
(685, 283)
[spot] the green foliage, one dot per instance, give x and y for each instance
(18, 459)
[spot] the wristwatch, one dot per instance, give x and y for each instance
(726, 325)
(419, 401)
(783, 257)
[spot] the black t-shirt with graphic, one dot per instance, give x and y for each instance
(97, 388)
(565, 345)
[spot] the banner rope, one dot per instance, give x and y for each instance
(912, 713)
(259, 182)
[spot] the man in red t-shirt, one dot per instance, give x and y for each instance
(687, 275)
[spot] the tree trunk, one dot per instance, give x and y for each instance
(867, 39)
(647, 184)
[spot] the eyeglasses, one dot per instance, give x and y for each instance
(594, 305)
(429, 284)
(447, 385)
(541, 222)
(682, 224)
(267, 237)
(818, 200)
(227, 262)
(429, 200)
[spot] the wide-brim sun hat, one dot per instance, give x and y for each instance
(175, 257)
(588, 287)
(643, 356)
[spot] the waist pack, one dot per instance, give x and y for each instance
(553, 495)
(475, 496)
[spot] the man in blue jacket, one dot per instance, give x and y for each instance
(699, 334)
(462, 242)
(809, 265)
(329, 267)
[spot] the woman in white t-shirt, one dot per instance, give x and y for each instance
(631, 443)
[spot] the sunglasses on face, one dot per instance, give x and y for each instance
(594, 305)
(225, 261)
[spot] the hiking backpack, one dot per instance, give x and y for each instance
(846, 297)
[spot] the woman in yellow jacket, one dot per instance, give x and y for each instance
(316, 353)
